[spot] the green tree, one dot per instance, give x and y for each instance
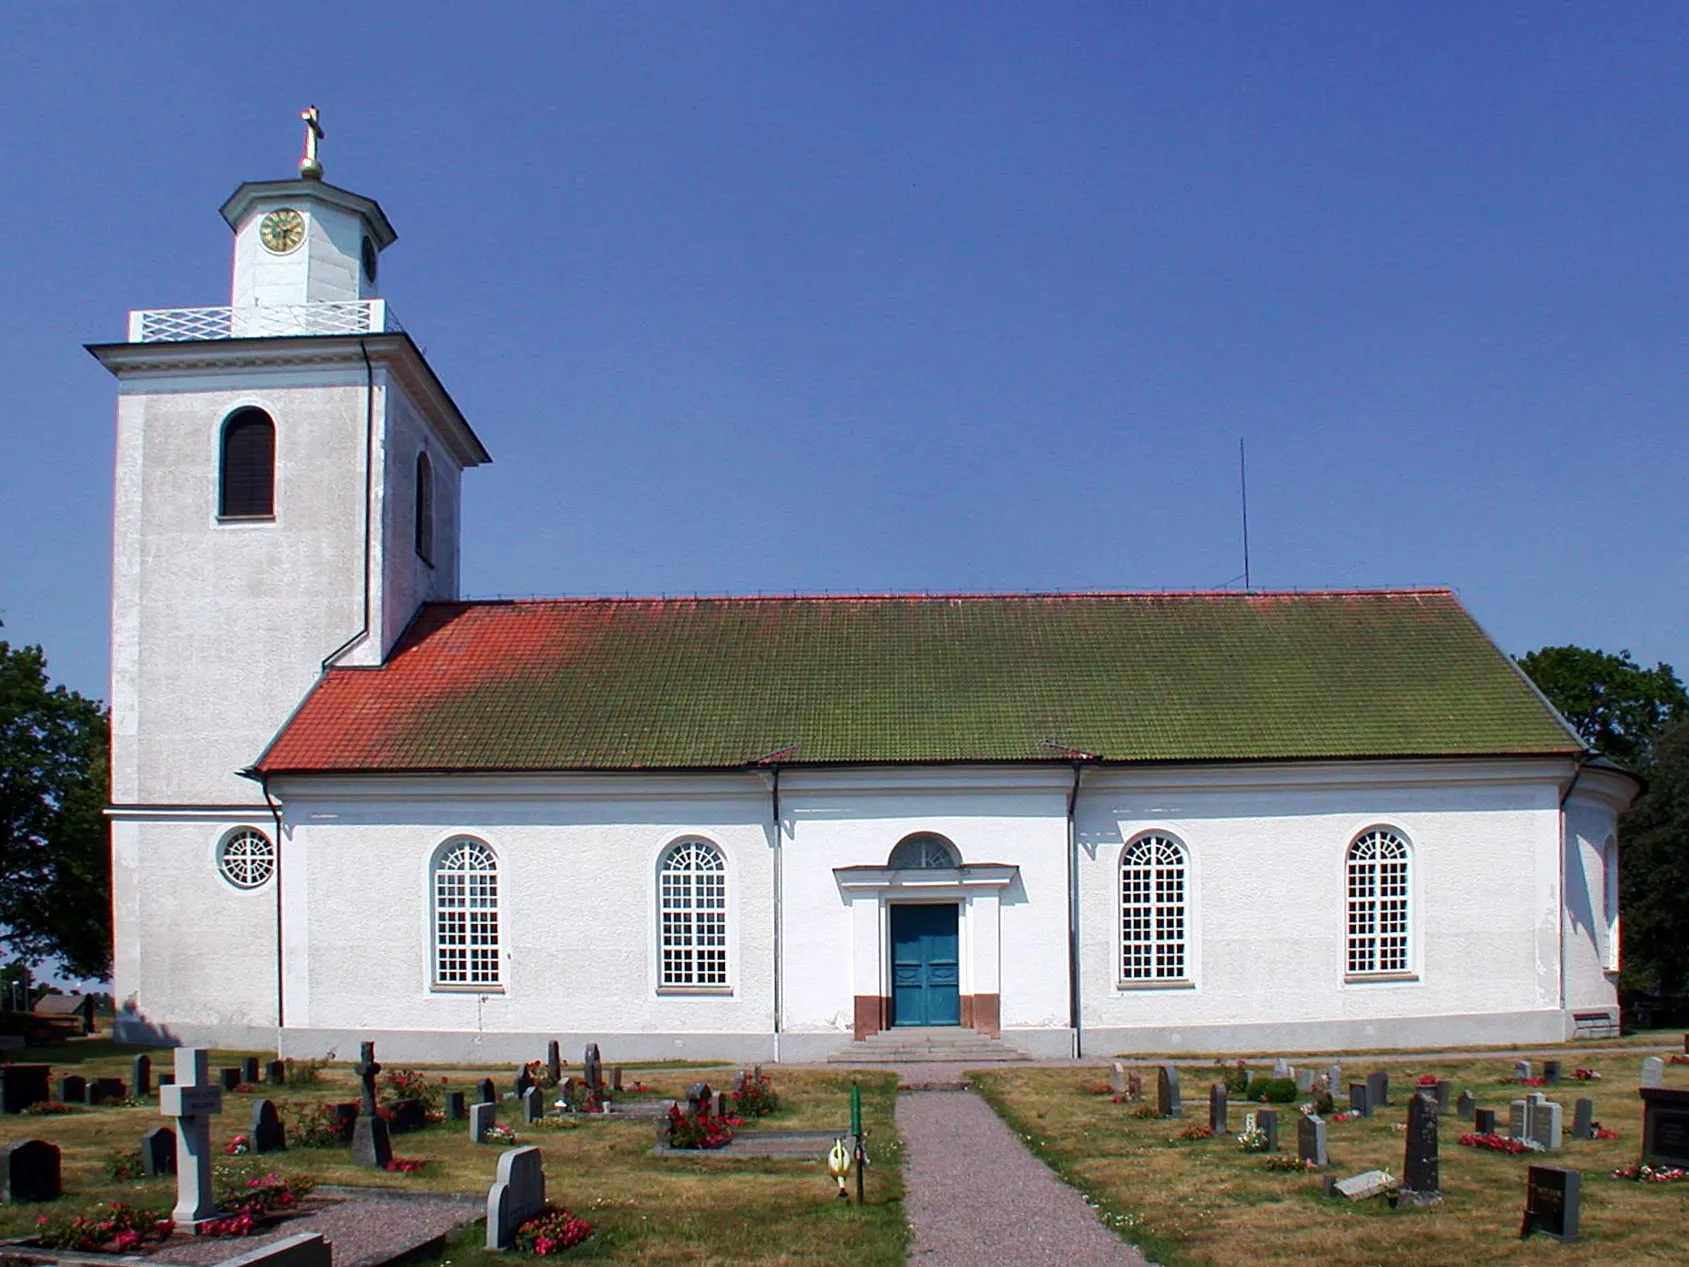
(1617, 706)
(1654, 871)
(55, 865)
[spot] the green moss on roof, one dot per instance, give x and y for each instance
(581, 684)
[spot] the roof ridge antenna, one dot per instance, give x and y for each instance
(1243, 497)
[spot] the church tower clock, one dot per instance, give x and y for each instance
(288, 473)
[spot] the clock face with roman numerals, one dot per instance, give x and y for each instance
(282, 230)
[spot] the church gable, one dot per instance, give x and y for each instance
(605, 684)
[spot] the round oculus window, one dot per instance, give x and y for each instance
(246, 858)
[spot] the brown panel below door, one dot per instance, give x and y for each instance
(986, 1012)
(871, 1012)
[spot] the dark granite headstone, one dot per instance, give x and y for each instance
(140, 1076)
(1378, 1089)
(275, 1073)
(569, 1092)
(1551, 1072)
(1553, 1196)
(615, 1078)
(524, 1080)
(345, 1118)
(366, 1069)
(371, 1145)
(73, 1089)
(722, 1104)
(1464, 1106)
(1483, 1121)
(22, 1086)
(1217, 1109)
(267, 1133)
(29, 1172)
(158, 1152)
(106, 1090)
(1665, 1126)
(1359, 1099)
(698, 1097)
(592, 1069)
(230, 1077)
(1168, 1102)
(455, 1106)
(533, 1104)
(1583, 1119)
(1266, 1121)
(485, 1092)
(553, 1062)
(1310, 1141)
(408, 1115)
(1419, 1167)
(166, 1079)
(1444, 1093)
(249, 1070)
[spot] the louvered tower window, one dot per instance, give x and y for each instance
(424, 508)
(247, 479)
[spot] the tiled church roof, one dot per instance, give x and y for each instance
(617, 684)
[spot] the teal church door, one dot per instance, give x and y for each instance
(925, 968)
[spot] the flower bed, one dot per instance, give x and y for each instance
(126, 1166)
(115, 1227)
(1196, 1130)
(251, 1203)
(756, 1097)
(1585, 1075)
(551, 1232)
(1652, 1174)
(324, 1126)
(703, 1131)
(1496, 1143)
(1278, 1161)
(498, 1133)
(48, 1108)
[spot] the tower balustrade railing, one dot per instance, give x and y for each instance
(256, 321)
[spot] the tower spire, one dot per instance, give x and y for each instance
(310, 166)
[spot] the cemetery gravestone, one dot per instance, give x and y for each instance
(1134, 1088)
(524, 1080)
(1419, 1166)
(533, 1105)
(1551, 1072)
(1333, 1078)
(1547, 1124)
(455, 1106)
(485, 1091)
(371, 1144)
(568, 1092)
(616, 1079)
(1378, 1089)
(158, 1152)
(481, 1118)
(1463, 1107)
(1304, 1081)
(192, 1099)
(553, 1062)
(516, 1196)
(1483, 1121)
(166, 1079)
(1552, 1199)
(1665, 1126)
(73, 1089)
(1653, 1072)
(1583, 1119)
(249, 1070)
(1519, 1119)
(1444, 1092)
(22, 1086)
(1217, 1109)
(275, 1073)
(1117, 1078)
(106, 1090)
(29, 1171)
(722, 1104)
(1521, 1069)
(1266, 1121)
(1359, 1101)
(591, 1068)
(697, 1099)
(140, 1076)
(1168, 1103)
(267, 1134)
(1310, 1141)
(1359, 1187)
(1281, 1068)
(230, 1077)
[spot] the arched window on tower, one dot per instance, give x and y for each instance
(425, 508)
(1378, 903)
(466, 933)
(694, 916)
(247, 478)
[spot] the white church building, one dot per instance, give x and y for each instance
(348, 804)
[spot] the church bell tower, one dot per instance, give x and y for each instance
(288, 472)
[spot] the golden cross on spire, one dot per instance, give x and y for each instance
(310, 166)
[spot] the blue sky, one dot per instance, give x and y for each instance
(868, 297)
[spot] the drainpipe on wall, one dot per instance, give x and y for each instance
(1073, 912)
(275, 813)
(779, 914)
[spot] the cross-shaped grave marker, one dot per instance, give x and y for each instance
(192, 1100)
(370, 1143)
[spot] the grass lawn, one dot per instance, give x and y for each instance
(646, 1210)
(1206, 1202)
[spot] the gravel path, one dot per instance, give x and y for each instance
(361, 1230)
(977, 1195)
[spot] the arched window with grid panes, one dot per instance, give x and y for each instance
(1378, 903)
(1152, 910)
(693, 900)
(466, 914)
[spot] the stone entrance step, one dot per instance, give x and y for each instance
(948, 1044)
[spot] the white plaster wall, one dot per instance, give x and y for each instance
(195, 956)
(1591, 955)
(1267, 901)
(847, 819)
(219, 628)
(407, 581)
(578, 907)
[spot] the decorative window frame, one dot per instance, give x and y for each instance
(231, 866)
(726, 911)
(437, 979)
(1185, 977)
(1400, 966)
(926, 842)
(221, 464)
